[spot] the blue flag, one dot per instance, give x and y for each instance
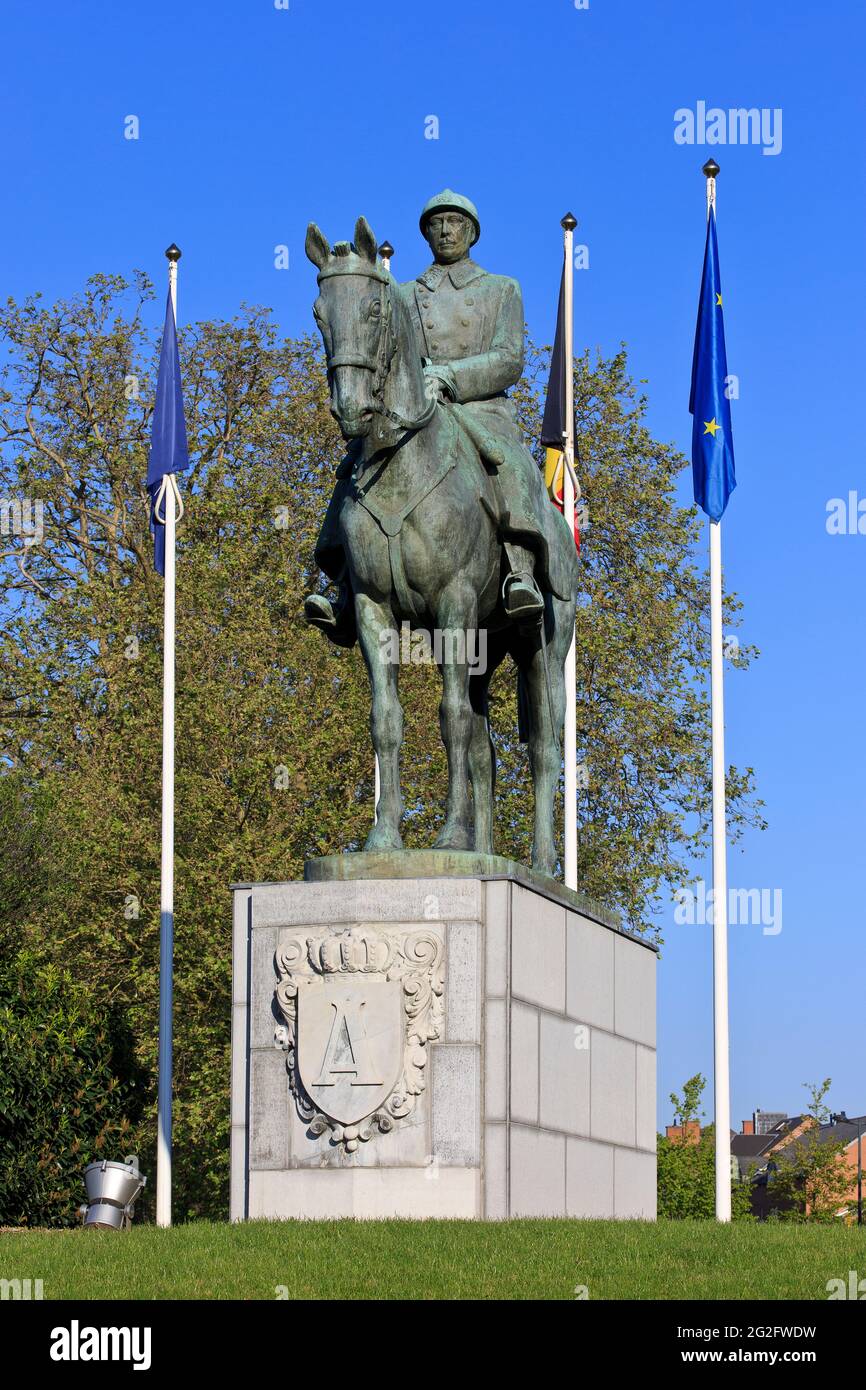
(168, 447)
(712, 440)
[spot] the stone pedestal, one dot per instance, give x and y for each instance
(438, 1045)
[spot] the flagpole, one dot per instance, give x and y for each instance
(569, 751)
(721, 1039)
(386, 251)
(166, 901)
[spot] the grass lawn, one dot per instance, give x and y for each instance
(438, 1259)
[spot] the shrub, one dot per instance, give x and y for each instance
(69, 1091)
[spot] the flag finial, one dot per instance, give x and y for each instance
(386, 250)
(710, 169)
(569, 222)
(173, 253)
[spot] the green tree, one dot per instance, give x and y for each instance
(70, 1090)
(23, 821)
(273, 756)
(687, 1108)
(687, 1164)
(810, 1180)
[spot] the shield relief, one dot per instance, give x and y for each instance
(360, 1006)
(350, 1045)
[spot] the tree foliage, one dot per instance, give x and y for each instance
(687, 1170)
(273, 756)
(70, 1090)
(687, 1107)
(809, 1179)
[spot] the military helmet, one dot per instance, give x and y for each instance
(452, 202)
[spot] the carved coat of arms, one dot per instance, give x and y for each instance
(360, 1007)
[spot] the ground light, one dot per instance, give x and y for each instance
(112, 1189)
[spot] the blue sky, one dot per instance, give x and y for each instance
(255, 119)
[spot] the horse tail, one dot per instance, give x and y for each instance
(524, 709)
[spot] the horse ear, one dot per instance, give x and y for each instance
(365, 241)
(316, 246)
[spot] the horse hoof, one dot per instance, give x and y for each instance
(544, 865)
(455, 837)
(383, 837)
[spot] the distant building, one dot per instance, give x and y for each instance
(757, 1146)
(758, 1137)
(755, 1150)
(691, 1132)
(766, 1121)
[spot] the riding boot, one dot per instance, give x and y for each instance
(520, 593)
(336, 620)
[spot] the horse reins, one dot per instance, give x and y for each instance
(385, 350)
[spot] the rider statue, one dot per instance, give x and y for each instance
(469, 324)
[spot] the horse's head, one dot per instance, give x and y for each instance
(353, 312)
(366, 331)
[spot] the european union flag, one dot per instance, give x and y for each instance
(712, 440)
(168, 446)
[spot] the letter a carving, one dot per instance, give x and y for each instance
(347, 1054)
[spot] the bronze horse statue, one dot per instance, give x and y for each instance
(418, 525)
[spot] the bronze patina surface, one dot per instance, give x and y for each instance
(440, 518)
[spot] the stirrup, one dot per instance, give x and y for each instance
(521, 597)
(337, 623)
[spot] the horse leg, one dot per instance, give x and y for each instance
(482, 754)
(482, 763)
(386, 718)
(544, 735)
(455, 618)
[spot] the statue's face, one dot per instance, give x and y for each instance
(449, 235)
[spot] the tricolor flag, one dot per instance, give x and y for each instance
(553, 422)
(168, 446)
(712, 439)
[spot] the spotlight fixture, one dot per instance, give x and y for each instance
(112, 1189)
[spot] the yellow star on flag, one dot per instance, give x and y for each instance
(710, 427)
(719, 300)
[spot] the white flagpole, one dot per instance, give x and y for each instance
(721, 1041)
(386, 251)
(569, 493)
(166, 903)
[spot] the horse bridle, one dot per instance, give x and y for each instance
(385, 349)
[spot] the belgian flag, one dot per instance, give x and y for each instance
(553, 423)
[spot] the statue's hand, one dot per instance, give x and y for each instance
(440, 380)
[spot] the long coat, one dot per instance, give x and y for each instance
(472, 323)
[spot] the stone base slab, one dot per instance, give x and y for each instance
(530, 1093)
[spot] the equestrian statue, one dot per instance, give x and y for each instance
(440, 518)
